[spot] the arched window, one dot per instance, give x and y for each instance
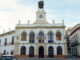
(59, 50)
(58, 36)
(41, 37)
(32, 37)
(31, 51)
(23, 36)
(23, 50)
(50, 37)
(50, 52)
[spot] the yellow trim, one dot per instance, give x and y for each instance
(7, 33)
(39, 27)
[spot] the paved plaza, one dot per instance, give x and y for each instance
(69, 58)
(50, 59)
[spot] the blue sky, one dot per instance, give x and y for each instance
(11, 11)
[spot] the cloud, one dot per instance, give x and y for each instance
(11, 11)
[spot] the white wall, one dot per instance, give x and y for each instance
(8, 47)
(36, 31)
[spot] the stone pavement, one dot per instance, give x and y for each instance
(49, 59)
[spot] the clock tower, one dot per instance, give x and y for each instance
(41, 14)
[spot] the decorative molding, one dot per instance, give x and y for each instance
(39, 27)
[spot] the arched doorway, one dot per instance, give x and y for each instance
(41, 52)
(59, 50)
(31, 51)
(50, 52)
(23, 50)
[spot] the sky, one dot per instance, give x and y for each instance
(11, 11)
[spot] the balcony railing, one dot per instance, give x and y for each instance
(75, 43)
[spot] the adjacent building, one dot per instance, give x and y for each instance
(68, 30)
(74, 38)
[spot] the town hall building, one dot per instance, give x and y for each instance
(38, 40)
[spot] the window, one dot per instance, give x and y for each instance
(32, 37)
(50, 37)
(58, 36)
(5, 41)
(41, 37)
(76, 37)
(59, 50)
(72, 51)
(76, 51)
(4, 52)
(7, 53)
(12, 52)
(23, 36)
(12, 40)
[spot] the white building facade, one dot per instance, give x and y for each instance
(75, 40)
(40, 39)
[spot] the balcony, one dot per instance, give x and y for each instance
(75, 43)
(50, 41)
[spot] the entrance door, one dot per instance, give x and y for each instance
(41, 52)
(23, 50)
(50, 52)
(31, 51)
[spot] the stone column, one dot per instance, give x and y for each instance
(27, 37)
(36, 51)
(54, 37)
(62, 37)
(46, 40)
(16, 49)
(45, 51)
(55, 51)
(65, 50)
(16, 44)
(36, 40)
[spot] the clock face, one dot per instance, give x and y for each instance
(40, 16)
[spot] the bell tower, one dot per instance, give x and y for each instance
(41, 14)
(41, 4)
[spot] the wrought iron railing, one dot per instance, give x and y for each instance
(75, 43)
